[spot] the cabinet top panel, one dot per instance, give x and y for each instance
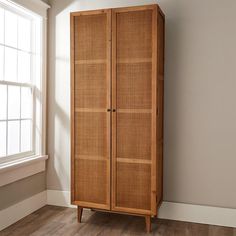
(119, 9)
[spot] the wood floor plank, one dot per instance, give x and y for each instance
(222, 231)
(60, 221)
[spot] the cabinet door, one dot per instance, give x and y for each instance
(134, 59)
(90, 99)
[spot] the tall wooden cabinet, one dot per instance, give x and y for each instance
(117, 77)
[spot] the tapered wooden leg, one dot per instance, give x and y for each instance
(148, 223)
(80, 212)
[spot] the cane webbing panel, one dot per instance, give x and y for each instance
(134, 107)
(90, 86)
(90, 134)
(134, 86)
(91, 171)
(134, 34)
(90, 37)
(91, 181)
(133, 136)
(133, 186)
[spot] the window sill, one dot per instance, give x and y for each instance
(21, 168)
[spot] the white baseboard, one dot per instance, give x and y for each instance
(18, 211)
(168, 210)
(198, 214)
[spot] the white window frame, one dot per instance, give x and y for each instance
(17, 167)
(21, 85)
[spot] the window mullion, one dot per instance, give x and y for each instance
(16, 84)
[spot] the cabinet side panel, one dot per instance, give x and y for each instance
(160, 105)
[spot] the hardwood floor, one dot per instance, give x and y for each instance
(51, 220)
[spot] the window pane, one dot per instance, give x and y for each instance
(10, 64)
(13, 102)
(24, 67)
(1, 61)
(10, 29)
(24, 34)
(26, 103)
(13, 137)
(2, 139)
(3, 102)
(1, 25)
(26, 135)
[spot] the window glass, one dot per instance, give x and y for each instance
(26, 103)
(26, 135)
(10, 64)
(13, 137)
(1, 25)
(24, 67)
(13, 102)
(3, 102)
(10, 29)
(1, 61)
(2, 138)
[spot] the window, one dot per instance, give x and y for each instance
(21, 87)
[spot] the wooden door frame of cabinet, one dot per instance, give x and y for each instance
(154, 114)
(154, 9)
(108, 76)
(72, 108)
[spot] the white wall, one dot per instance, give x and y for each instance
(200, 98)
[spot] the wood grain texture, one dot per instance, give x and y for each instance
(79, 212)
(148, 223)
(113, 120)
(55, 221)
